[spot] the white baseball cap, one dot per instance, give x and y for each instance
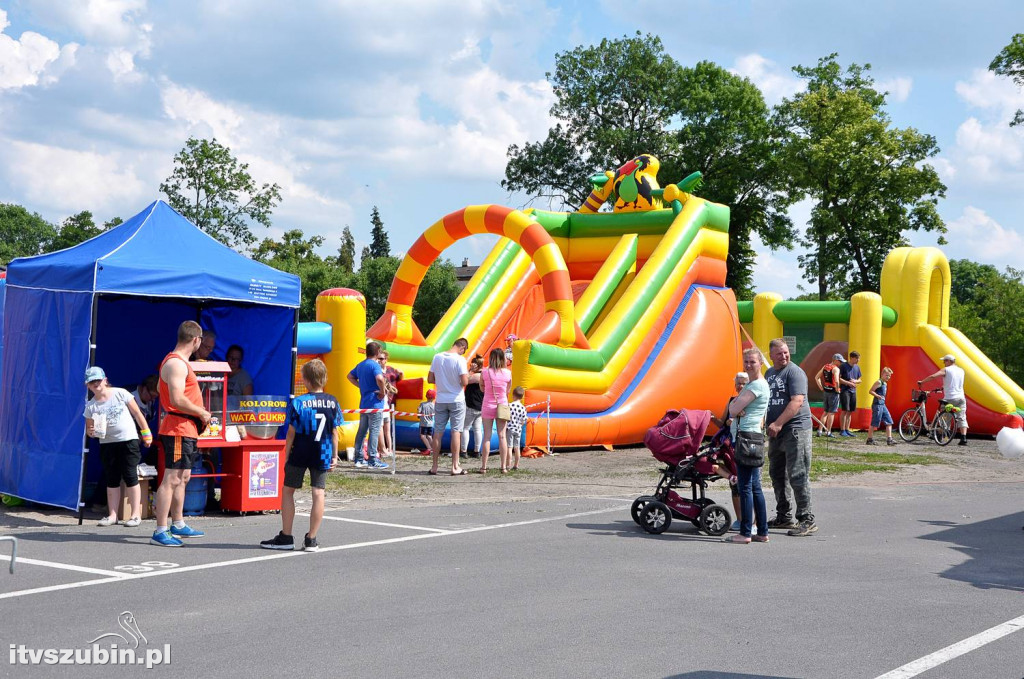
(949, 357)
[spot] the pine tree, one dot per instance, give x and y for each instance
(379, 244)
(347, 251)
(364, 257)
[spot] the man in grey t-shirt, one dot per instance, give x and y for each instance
(789, 442)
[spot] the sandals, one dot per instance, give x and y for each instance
(737, 540)
(461, 472)
(482, 471)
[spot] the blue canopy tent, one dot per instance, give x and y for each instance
(116, 301)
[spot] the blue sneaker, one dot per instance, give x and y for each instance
(360, 464)
(165, 539)
(377, 464)
(186, 532)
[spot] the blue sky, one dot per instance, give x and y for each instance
(411, 106)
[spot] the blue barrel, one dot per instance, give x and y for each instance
(195, 492)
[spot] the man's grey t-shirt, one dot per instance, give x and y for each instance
(448, 368)
(784, 384)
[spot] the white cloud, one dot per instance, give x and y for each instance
(65, 181)
(986, 146)
(31, 59)
(898, 88)
(774, 81)
(201, 114)
(978, 236)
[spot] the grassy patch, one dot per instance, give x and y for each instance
(362, 485)
(824, 467)
(880, 458)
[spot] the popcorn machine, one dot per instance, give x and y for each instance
(213, 386)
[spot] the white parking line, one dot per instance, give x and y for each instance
(63, 566)
(379, 523)
(128, 577)
(912, 669)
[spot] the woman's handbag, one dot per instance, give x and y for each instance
(749, 447)
(504, 412)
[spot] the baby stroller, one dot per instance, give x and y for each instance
(677, 441)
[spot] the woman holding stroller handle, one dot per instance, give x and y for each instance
(748, 410)
(726, 421)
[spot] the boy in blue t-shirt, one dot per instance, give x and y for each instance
(314, 421)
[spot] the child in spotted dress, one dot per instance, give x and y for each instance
(517, 421)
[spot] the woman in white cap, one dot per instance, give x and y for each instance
(108, 417)
(953, 387)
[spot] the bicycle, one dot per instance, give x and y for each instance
(914, 421)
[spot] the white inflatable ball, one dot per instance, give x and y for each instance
(1010, 442)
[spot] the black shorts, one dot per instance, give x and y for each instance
(180, 452)
(831, 401)
(426, 431)
(294, 473)
(848, 401)
(121, 463)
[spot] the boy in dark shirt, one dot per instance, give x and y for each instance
(312, 443)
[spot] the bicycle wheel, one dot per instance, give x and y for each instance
(911, 425)
(943, 428)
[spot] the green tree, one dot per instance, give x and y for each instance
(74, 230)
(364, 256)
(438, 291)
(380, 246)
(868, 180)
(625, 97)
(1010, 62)
(727, 133)
(216, 192)
(347, 251)
(374, 281)
(296, 254)
(23, 233)
(111, 223)
(967, 279)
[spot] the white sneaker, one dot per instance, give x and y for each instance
(107, 521)
(133, 522)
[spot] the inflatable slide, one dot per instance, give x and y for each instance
(620, 315)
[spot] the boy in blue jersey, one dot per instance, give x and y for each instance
(314, 421)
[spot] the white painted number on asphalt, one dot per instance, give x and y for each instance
(145, 566)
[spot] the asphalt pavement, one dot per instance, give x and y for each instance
(552, 588)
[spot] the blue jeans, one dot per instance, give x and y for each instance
(369, 423)
(748, 482)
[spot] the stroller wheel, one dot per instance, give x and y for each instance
(715, 520)
(638, 505)
(655, 517)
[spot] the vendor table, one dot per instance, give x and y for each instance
(253, 473)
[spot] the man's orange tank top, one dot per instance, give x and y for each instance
(174, 423)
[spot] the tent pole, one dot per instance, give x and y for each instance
(295, 351)
(85, 439)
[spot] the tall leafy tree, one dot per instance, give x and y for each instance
(869, 181)
(727, 132)
(1010, 62)
(380, 245)
(374, 281)
(23, 233)
(991, 312)
(625, 97)
(297, 254)
(74, 230)
(215, 191)
(438, 291)
(347, 251)
(365, 256)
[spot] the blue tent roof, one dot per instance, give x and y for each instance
(157, 253)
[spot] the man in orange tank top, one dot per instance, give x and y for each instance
(183, 421)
